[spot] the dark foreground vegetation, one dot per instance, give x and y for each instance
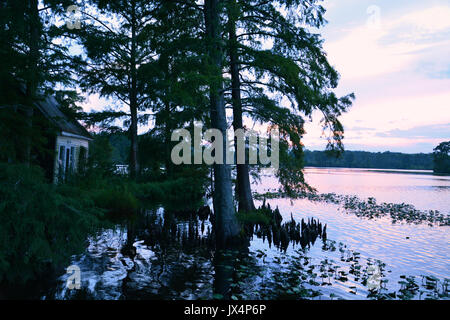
(43, 225)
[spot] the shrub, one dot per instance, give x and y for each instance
(180, 192)
(40, 227)
(118, 202)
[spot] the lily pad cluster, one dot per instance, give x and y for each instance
(370, 208)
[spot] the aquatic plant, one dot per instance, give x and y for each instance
(370, 208)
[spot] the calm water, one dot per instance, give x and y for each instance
(419, 188)
(406, 249)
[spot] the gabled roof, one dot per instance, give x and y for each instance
(50, 109)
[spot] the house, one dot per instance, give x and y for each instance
(49, 138)
(69, 139)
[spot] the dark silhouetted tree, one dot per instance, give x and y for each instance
(441, 158)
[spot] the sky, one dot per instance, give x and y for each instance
(395, 57)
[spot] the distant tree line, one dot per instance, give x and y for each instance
(363, 159)
(439, 160)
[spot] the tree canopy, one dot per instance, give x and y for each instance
(167, 64)
(441, 158)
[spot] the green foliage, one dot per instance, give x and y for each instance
(152, 155)
(13, 129)
(288, 79)
(98, 171)
(26, 26)
(35, 63)
(100, 153)
(120, 148)
(441, 158)
(118, 202)
(41, 225)
(181, 192)
(290, 173)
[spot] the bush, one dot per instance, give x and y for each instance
(118, 202)
(41, 225)
(180, 192)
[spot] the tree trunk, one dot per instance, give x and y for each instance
(243, 189)
(167, 140)
(227, 228)
(32, 81)
(224, 265)
(134, 160)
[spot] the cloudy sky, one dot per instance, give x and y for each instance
(395, 57)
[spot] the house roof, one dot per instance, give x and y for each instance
(50, 108)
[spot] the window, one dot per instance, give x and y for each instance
(62, 151)
(72, 159)
(82, 159)
(67, 165)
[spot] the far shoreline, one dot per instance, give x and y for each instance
(384, 170)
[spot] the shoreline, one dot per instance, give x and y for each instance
(383, 170)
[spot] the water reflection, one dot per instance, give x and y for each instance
(172, 256)
(396, 186)
(185, 267)
(309, 250)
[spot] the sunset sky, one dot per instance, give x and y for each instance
(395, 57)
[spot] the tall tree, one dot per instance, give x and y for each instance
(294, 68)
(226, 224)
(176, 81)
(35, 61)
(117, 44)
(243, 188)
